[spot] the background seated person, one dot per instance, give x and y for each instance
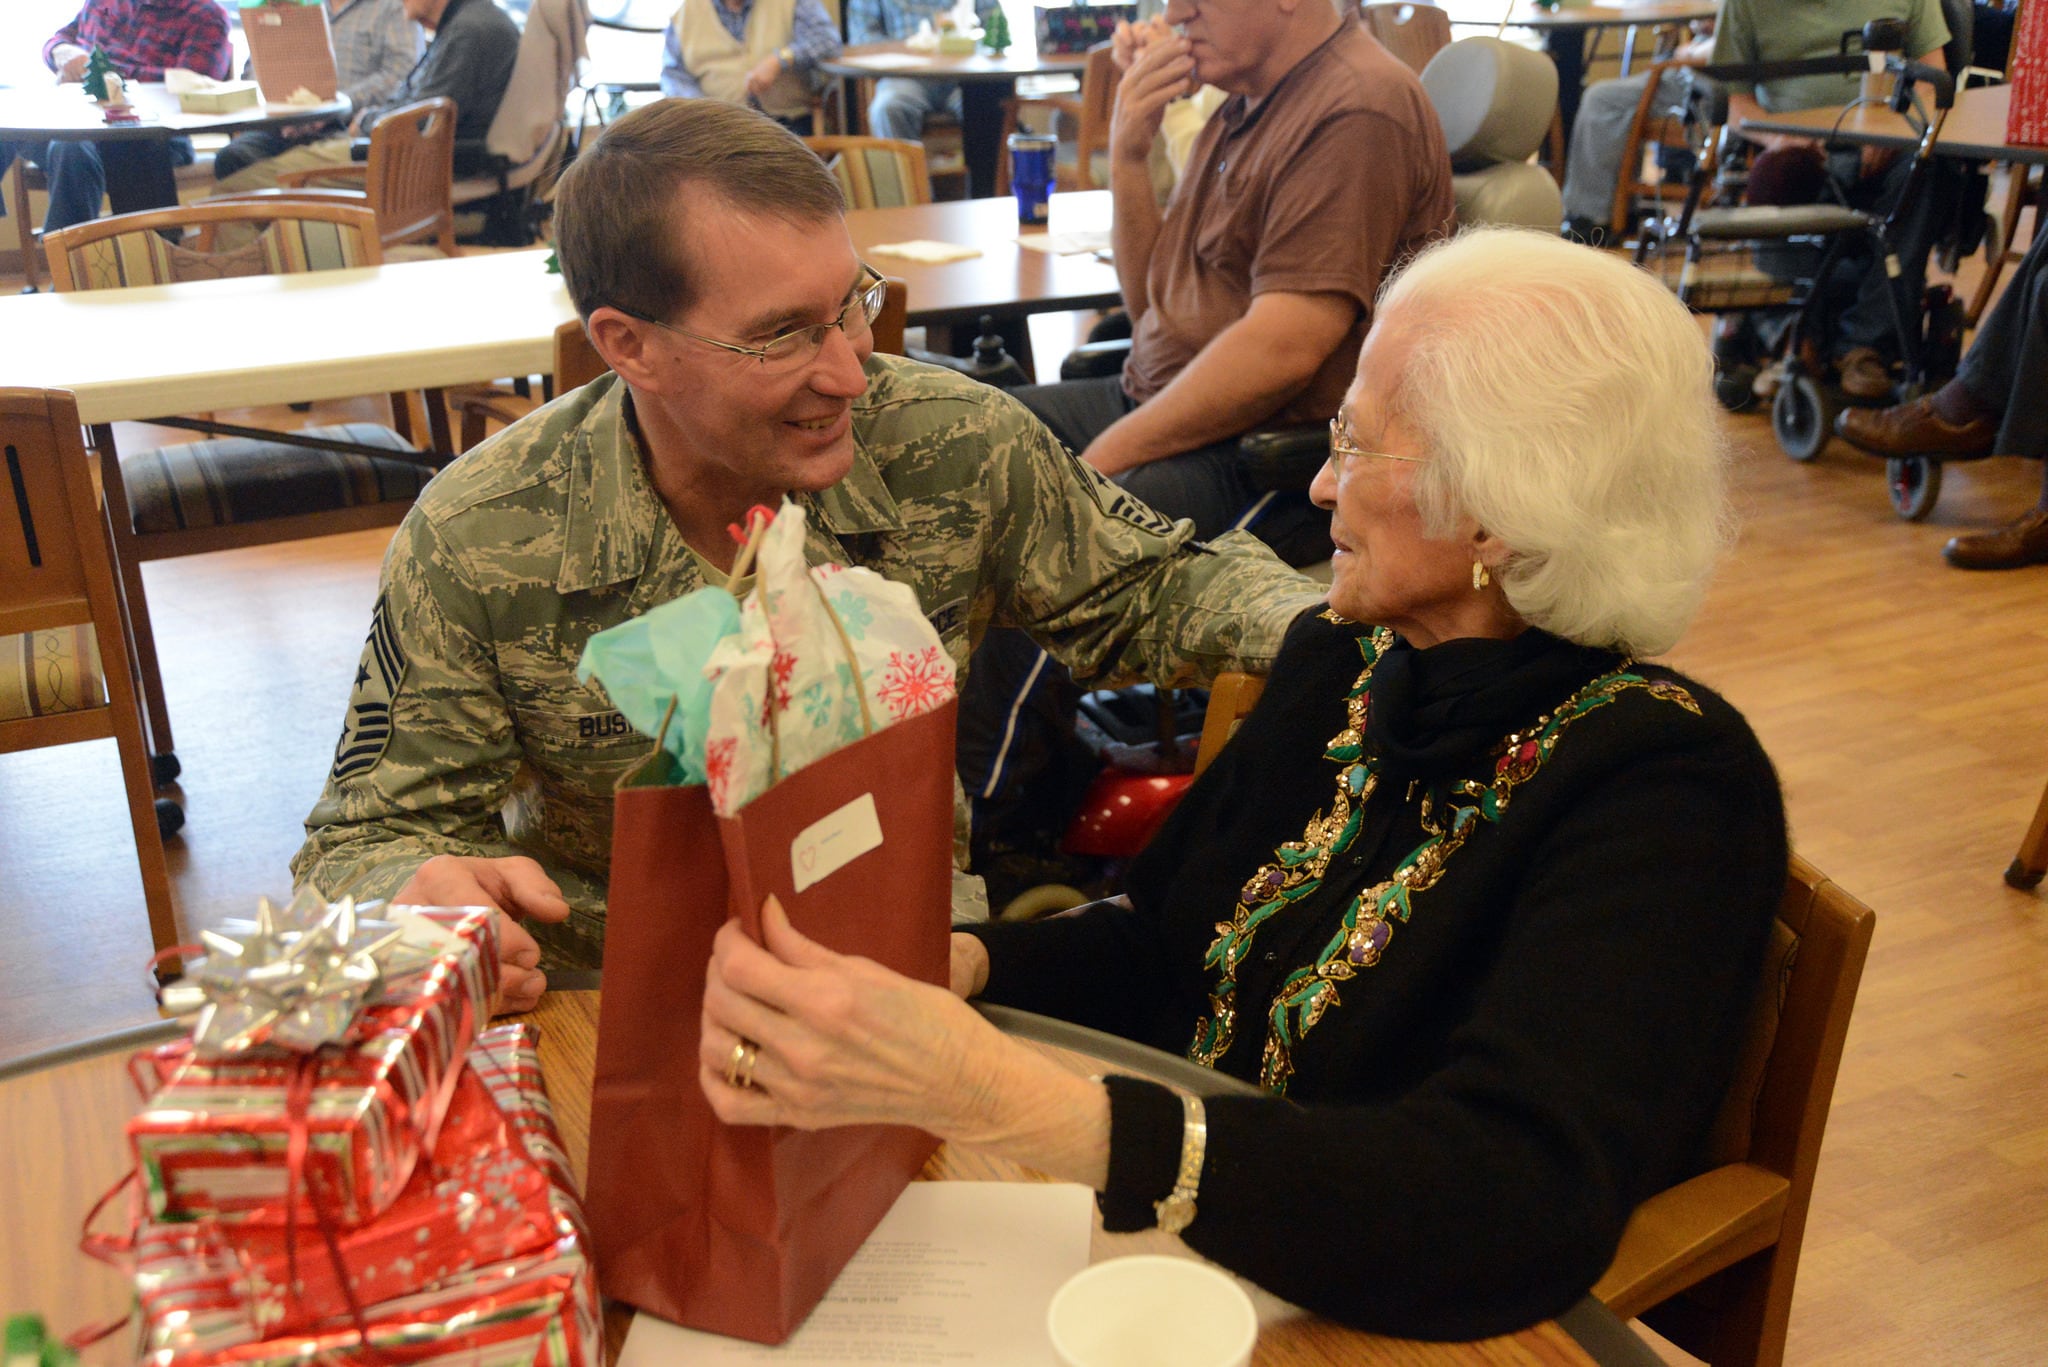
(763, 53)
(375, 46)
(1864, 342)
(706, 249)
(1486, 1029)
(903, 103)
(1600, 134)
(142, 40)
(469, 60)
(1995, 404)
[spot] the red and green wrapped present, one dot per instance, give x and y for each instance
(315, 1025)
(202, 1306)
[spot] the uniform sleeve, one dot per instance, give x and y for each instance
(1596, 1049)
(1113, 588)
(428, 754)
(1301, 249)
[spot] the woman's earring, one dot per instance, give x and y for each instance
(1480, 578)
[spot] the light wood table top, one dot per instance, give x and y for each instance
(1975, 129)
(1287, 1337)
(1600, 14)
(62, 112)
(205, 344)
(872, 60)
(1006, 278)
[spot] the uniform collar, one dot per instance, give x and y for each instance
(616, 528)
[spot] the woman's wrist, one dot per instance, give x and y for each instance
(969, 966)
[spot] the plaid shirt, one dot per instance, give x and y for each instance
(882, 21)
(375, 45)
(814, 37)
(145, 38)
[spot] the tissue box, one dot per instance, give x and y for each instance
(958, 44)
(223, 97)
(211, 1140)
(537, 1309)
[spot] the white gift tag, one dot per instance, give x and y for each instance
(826, 846)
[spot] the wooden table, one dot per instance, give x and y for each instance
(1565, 30)
(60, 1126)
(986, 79)
(135, 180)
(1975, 129)
(1288, 1337)
(1007, 280)
(140, 353)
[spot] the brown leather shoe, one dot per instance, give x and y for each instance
(2024, 542)
(1914, 429)
(1866, 375)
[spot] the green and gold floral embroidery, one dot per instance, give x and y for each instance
(1367, 926)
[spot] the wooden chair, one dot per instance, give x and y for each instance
(240, 491)
(1089, 109)
(875, 173)
(407, 182)
(1231, 698)
(65, 670)
(1412, 32)
(21, 179)
(1710, 1262)
(1652, 125)
(2031, 862)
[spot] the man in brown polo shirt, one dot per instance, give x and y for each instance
(1250, 294)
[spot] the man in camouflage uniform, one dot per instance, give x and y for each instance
(473, 767)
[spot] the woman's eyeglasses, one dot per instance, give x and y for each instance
(800, 346)
(1342, 446)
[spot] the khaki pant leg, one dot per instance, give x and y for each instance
(262, 175)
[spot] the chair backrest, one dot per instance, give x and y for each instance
(1494, 99)
(1231, 698)
(49, 520)
(1412, 32)
(876, 173)
(412, 174)
(1100, 77)
(890, 322)
(534, 109)
(289, 237)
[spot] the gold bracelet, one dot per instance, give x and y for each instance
(1177, 1211)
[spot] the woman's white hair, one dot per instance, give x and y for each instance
(1566, 399)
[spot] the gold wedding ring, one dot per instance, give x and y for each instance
(739, 1069)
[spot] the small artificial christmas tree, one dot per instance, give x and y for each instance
(97, 69)
(995, 32)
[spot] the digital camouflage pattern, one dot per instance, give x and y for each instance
(468, 732)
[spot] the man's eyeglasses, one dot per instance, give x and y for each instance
(800, 346)
(1342, 446)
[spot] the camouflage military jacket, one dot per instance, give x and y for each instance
(468, 732)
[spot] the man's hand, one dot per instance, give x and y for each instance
(1130, 39)
(516, 887)
(764, 75)
(1162, 72)
(969, 967)
(70, 61)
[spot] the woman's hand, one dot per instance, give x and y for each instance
(970, 966)
(838, 1039)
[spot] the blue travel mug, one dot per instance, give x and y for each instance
(1031, 157)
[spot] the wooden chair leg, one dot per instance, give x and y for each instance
(31, 253)
(135, 608)
(438, 430)
(149, 843)
(2019, 193)
(401, 416)
(2032, 861)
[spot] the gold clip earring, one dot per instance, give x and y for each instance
(1480, 578)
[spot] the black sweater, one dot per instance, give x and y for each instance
(1543, 1042)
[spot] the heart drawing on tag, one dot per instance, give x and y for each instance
(807, 858)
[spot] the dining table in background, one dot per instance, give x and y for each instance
(986, 80)
(1008, 280)
(1974, 131)
(61, 113)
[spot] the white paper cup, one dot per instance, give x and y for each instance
(1152, 1311)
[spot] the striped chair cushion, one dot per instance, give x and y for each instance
(873, 177)
(214, 483)
(42, 672)
(148, 258)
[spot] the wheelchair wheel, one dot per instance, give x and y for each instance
(1914, 483)
(1802, 415)
(1734, 388)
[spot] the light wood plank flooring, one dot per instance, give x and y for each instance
(1906, 705)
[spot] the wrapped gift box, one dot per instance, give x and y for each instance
(200, 1306)
(212, 1139)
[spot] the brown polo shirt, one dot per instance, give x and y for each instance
(1338, 174)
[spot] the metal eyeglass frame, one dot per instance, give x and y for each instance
(869, 294)
(1342, 446)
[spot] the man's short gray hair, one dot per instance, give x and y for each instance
(1566, 399)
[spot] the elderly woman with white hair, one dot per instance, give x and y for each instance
(1476, 896)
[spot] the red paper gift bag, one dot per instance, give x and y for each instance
(741, 1229)
(2027, 67)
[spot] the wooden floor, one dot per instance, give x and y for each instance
(1905, 703)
